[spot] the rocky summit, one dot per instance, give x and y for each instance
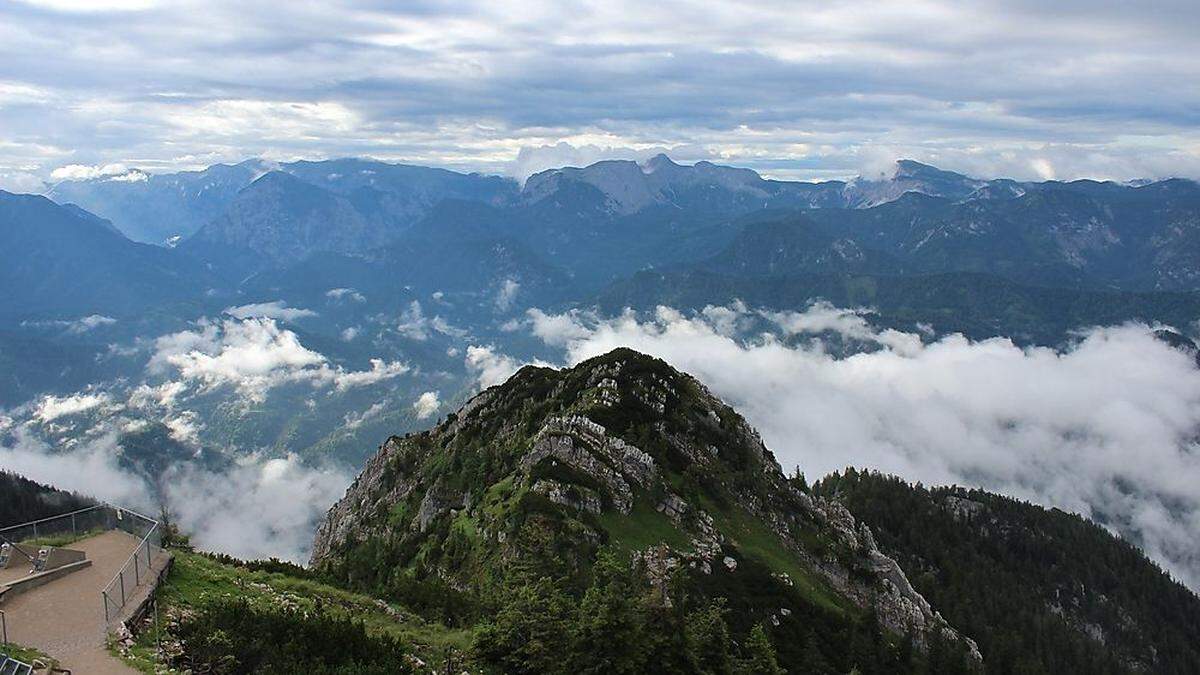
(621, 452)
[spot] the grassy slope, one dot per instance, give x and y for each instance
(27, 654)
(197, 579)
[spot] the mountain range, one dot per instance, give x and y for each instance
(573, 235)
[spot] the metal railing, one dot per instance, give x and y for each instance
(139, 567)
(75, 524)
(3, 628)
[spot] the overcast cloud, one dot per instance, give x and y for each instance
(1074, 88)
(1104, 428)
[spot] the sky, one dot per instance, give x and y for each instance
(820, 90)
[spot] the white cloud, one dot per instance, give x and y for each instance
(488, 366)
(163, 395)
(184, 427)
(118, 172)
(355, 420)
(380, 370)
(426, 405)
(415, 325)
(556, 329)
(20, 182)
(90, 322)
(51, 408)
(93, 6)
(254, 355)
(76, 326)
(341, 294)
(90, 468)
(506, 294)
(286, 497)
(269, 310)
(823, 317)
(349, 334)
(1105, 427)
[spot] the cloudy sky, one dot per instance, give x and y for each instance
(829, 89)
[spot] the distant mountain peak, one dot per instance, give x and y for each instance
(909, 168)
(660, 162)
(275, 177)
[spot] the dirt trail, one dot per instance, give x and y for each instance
(65, 618)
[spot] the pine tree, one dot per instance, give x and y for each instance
(708, 639)
(759, 656)
(528, 632)
(610, 630)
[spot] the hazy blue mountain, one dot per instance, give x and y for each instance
(61, 261)
(410, 190)
(279, 219)
(1083, 233)
(795, 246)
(155, 208)
(629, 187)
(913, 176)
(461, 252)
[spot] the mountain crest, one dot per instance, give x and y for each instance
(621, 450)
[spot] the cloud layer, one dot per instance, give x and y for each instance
(262, 507)
(987, 86)
(210, 484)
(1105, 427)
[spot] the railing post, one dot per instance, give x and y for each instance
(74, 532)
(104, 594)
(35, 529)
(122, 577)
(4, 627)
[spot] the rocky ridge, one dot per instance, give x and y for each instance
(619, 450)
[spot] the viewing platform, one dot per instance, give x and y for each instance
(67, 581)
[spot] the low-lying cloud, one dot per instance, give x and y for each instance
(254, 355)
(269, 310)
(345, 295)
(50, 408)
(75, 326)
(414, 324)
(1104, 426)
(426, 405)
(261, 507)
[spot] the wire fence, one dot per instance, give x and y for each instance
(62, 529)
(139, 569)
